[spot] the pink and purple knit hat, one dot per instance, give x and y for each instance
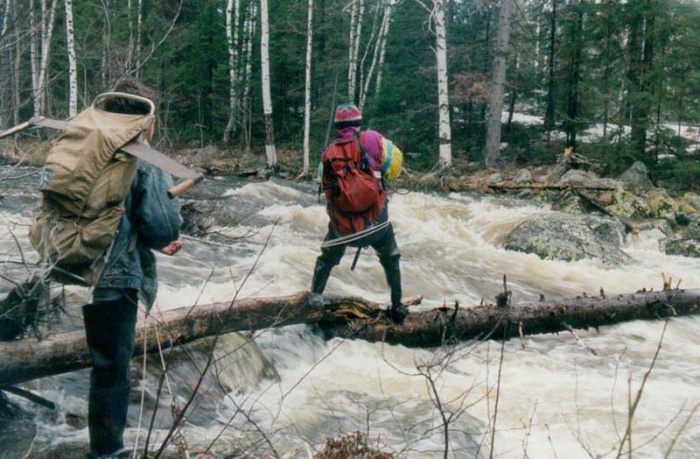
(347, 115)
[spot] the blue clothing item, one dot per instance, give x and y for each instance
(151, 222)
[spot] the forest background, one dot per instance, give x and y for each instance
(443, 79)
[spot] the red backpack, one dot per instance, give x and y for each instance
(355, 196)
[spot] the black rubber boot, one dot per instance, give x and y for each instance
(398, 313)
(389, 256)
(109, 329)
(322, 271)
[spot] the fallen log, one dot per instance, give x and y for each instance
(444, 325)
(350, 317)
(546, 186)
(29, 358)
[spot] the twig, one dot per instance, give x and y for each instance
(32, 397)
(634, 404)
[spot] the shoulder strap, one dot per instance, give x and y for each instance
(363, 153)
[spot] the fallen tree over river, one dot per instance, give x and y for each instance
(349, 317)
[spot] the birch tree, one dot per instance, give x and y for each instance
(445, 132)
(377, 57)
(39, 51)
(249, 31)
(356, 18)
(382, 51)
(550, 111)
(33, 59)
(267, 98)
(498, 76)
(437, 19)
(72, 67)
(48, 20)
(307, 88)
(373, 40)
(16, 69)
(5, 60)
(232, 20)
(133, 55)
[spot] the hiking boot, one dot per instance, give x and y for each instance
(398, 313)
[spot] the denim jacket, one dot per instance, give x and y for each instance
(151, 221)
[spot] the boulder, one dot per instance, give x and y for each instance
(636, 177)
(570, 238)
(683, 247)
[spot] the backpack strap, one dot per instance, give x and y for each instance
(368, 165)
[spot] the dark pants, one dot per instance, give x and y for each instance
(383, 242)
(109, 329)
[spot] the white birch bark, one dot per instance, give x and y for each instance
(33, 59)
(17, 64)
(445, 132)
(382, 53)
(265, 74)
(249, 31)
(307, 88)
(232, 20)
(351, 48)
(48, 22)
(498, 77)
(355, 35)
(373, 39)
(6, 16)
(5, 61)
(378, 57)
(72, 67)
(106, 61)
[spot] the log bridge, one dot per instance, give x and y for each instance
(350, 317)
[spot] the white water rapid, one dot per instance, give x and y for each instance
(544, 396)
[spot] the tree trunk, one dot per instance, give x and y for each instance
(349, 317)
(267, 98)
(641, 51)
(356, 20)
(232, 21)
(443, 325)
(28, 359)
(139, 27)
(72, 67)
(498, 78)
(445, 132)
(5, 63)
(16, 70)
(34, 59)
(573, 58)
(46, 37)
(382, 51)
(379, 49)
(307, 86)
(249, 34)
(550, 111)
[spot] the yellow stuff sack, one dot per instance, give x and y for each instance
(392, 160)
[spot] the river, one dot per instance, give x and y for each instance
(283, 392)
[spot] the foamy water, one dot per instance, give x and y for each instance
(557, 396)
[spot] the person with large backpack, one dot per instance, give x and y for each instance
(353, 169)
(150, 221)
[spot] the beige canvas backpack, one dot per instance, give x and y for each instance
(83, 184)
